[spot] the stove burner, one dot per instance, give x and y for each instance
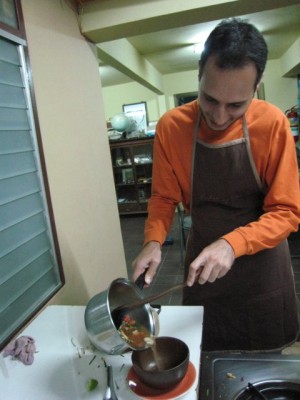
(226, 376)
(272, 390)
(252, 389)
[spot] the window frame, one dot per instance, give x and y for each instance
(18, 37)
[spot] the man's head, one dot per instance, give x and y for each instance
(235, 43)
(230, 70)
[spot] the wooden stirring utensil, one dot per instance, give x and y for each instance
(149, 299)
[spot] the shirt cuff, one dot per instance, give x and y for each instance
(237, 242)
(154, 237)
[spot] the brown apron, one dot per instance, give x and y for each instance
(253, 307)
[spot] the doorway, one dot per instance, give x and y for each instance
(183, 98)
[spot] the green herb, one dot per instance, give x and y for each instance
(91, 384)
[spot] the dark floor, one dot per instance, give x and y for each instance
(170, 271)
(294, 242)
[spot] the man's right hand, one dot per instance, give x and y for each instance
(148, 259)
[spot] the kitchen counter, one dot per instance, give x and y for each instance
(65, 359)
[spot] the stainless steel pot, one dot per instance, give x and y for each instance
(101, 323)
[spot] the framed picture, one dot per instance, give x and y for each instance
(127, 176)
(137, 113)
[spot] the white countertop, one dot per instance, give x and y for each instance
(64, 358)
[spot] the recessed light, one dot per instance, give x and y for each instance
(198, 47)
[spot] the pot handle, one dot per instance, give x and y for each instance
(140, 282)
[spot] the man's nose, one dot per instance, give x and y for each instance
(220, 115)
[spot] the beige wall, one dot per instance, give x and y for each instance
(283, 92)
(71, 114)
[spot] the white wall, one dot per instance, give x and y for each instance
(71, 114)
(280, 91)
(117, 95)
(127, 93)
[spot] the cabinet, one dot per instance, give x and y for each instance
(132, 170)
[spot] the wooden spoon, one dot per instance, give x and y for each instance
(149, 299)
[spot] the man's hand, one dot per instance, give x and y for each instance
(149, 258)
(212, 263)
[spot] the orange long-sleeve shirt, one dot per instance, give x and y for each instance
(274, 155)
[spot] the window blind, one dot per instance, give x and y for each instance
(29, 271)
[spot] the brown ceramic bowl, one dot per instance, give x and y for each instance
(164, 366)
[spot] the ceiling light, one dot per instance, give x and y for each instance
(198, 47)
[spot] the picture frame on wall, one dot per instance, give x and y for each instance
(127, 176)
(138, 116)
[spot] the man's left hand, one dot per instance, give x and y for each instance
(212, 263)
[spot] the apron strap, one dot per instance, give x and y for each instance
(195, 136)
(253, 166)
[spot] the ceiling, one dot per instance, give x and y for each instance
(171, 50)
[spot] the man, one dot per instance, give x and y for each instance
(231, 160)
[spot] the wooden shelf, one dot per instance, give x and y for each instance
(132, 169)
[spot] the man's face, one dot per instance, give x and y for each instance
(226, 94)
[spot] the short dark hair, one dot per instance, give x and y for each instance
(235, 43)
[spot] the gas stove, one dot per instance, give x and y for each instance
(227, 376)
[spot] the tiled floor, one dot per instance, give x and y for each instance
(170, 271)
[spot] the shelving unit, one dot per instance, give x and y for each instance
(132, 169)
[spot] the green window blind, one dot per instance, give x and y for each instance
(29, 270)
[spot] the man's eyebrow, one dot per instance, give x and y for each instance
(217, 101)
(209, 97)
(241, 102)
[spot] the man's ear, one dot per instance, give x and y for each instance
(199, 70)
(258, 86)
(260, 90)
